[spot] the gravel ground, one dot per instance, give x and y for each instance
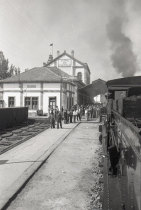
(71, 178)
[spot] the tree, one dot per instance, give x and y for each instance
(13, 70)
(19, 71)
(5, 71)
(3, 66)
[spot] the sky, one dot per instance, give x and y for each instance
(106, 34)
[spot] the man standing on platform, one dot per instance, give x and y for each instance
(59, 120)
(71, 115)
(74, 115)
(52, 119)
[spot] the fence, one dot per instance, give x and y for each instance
(10, 117)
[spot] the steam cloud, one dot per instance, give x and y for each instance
(123, 58)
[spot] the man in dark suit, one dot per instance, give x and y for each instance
(59, 120)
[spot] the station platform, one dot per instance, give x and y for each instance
(18, 164)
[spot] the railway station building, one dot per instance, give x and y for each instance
(56, 84)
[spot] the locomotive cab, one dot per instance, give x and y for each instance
(124, 138)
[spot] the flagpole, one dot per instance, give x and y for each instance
(52, 50)
(51, 45)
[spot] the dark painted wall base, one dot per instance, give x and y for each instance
(10, 117)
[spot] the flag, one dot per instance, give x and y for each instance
(51, 44)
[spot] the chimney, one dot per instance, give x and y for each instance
(50, 59)
(58, 53)
(72, 53)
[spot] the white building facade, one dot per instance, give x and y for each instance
(72, 66)
(43, 93)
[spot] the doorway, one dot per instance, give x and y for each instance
(52, 103)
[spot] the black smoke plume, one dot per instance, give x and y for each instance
(123, 58)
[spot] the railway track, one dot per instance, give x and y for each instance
(11, 137)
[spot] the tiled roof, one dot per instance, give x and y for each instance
(59, 72)
(96, 88)
(99, 81)
(125, 82)
(38, 74)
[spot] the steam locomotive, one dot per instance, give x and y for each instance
(124, 131)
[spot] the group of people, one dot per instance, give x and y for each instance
(74, 114)
(92, 111)
(56, 117)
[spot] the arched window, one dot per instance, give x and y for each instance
(79, 76)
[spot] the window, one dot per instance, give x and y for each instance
(11, 101)
(31, 102)
(79, 76)
(35, 103)
(27, 102)
(52, 102)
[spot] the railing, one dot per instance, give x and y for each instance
(128, 137)
(129, 131)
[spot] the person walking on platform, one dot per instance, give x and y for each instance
(97, 111)
(74, 116)
(59, 120)
(86, 114)
(92, 110)
(62, 110)
(81, 111)
(65, 116)
(70, 116)
(52, 119)
(56, 111)
(78, 114)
